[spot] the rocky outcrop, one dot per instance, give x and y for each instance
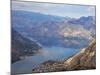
(85, 59)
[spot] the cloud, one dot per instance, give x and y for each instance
(55, 9)
(91, 8)
(17, 5)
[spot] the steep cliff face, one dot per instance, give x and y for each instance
(85, 59)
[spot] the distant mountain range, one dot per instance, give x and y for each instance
(87, 22)
(54, 30)
(22, 46)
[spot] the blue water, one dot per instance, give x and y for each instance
(48, 53)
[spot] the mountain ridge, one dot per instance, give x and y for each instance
(22, 46)
(54, 30)
(85, 59)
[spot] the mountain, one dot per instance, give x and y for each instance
(85, 59)
(21, 46)
(87, 22)
(31, 17)
(58, 31)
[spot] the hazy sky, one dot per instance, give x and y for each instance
(74, 11)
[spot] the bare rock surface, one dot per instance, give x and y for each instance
(85, 59)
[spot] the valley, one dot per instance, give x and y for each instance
(40, 41)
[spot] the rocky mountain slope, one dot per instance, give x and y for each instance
(58, 31)
(87, 22)
(22, 46)
(85, 59)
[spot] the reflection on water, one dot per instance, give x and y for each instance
(48, 53)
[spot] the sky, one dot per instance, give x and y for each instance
(73, 11)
